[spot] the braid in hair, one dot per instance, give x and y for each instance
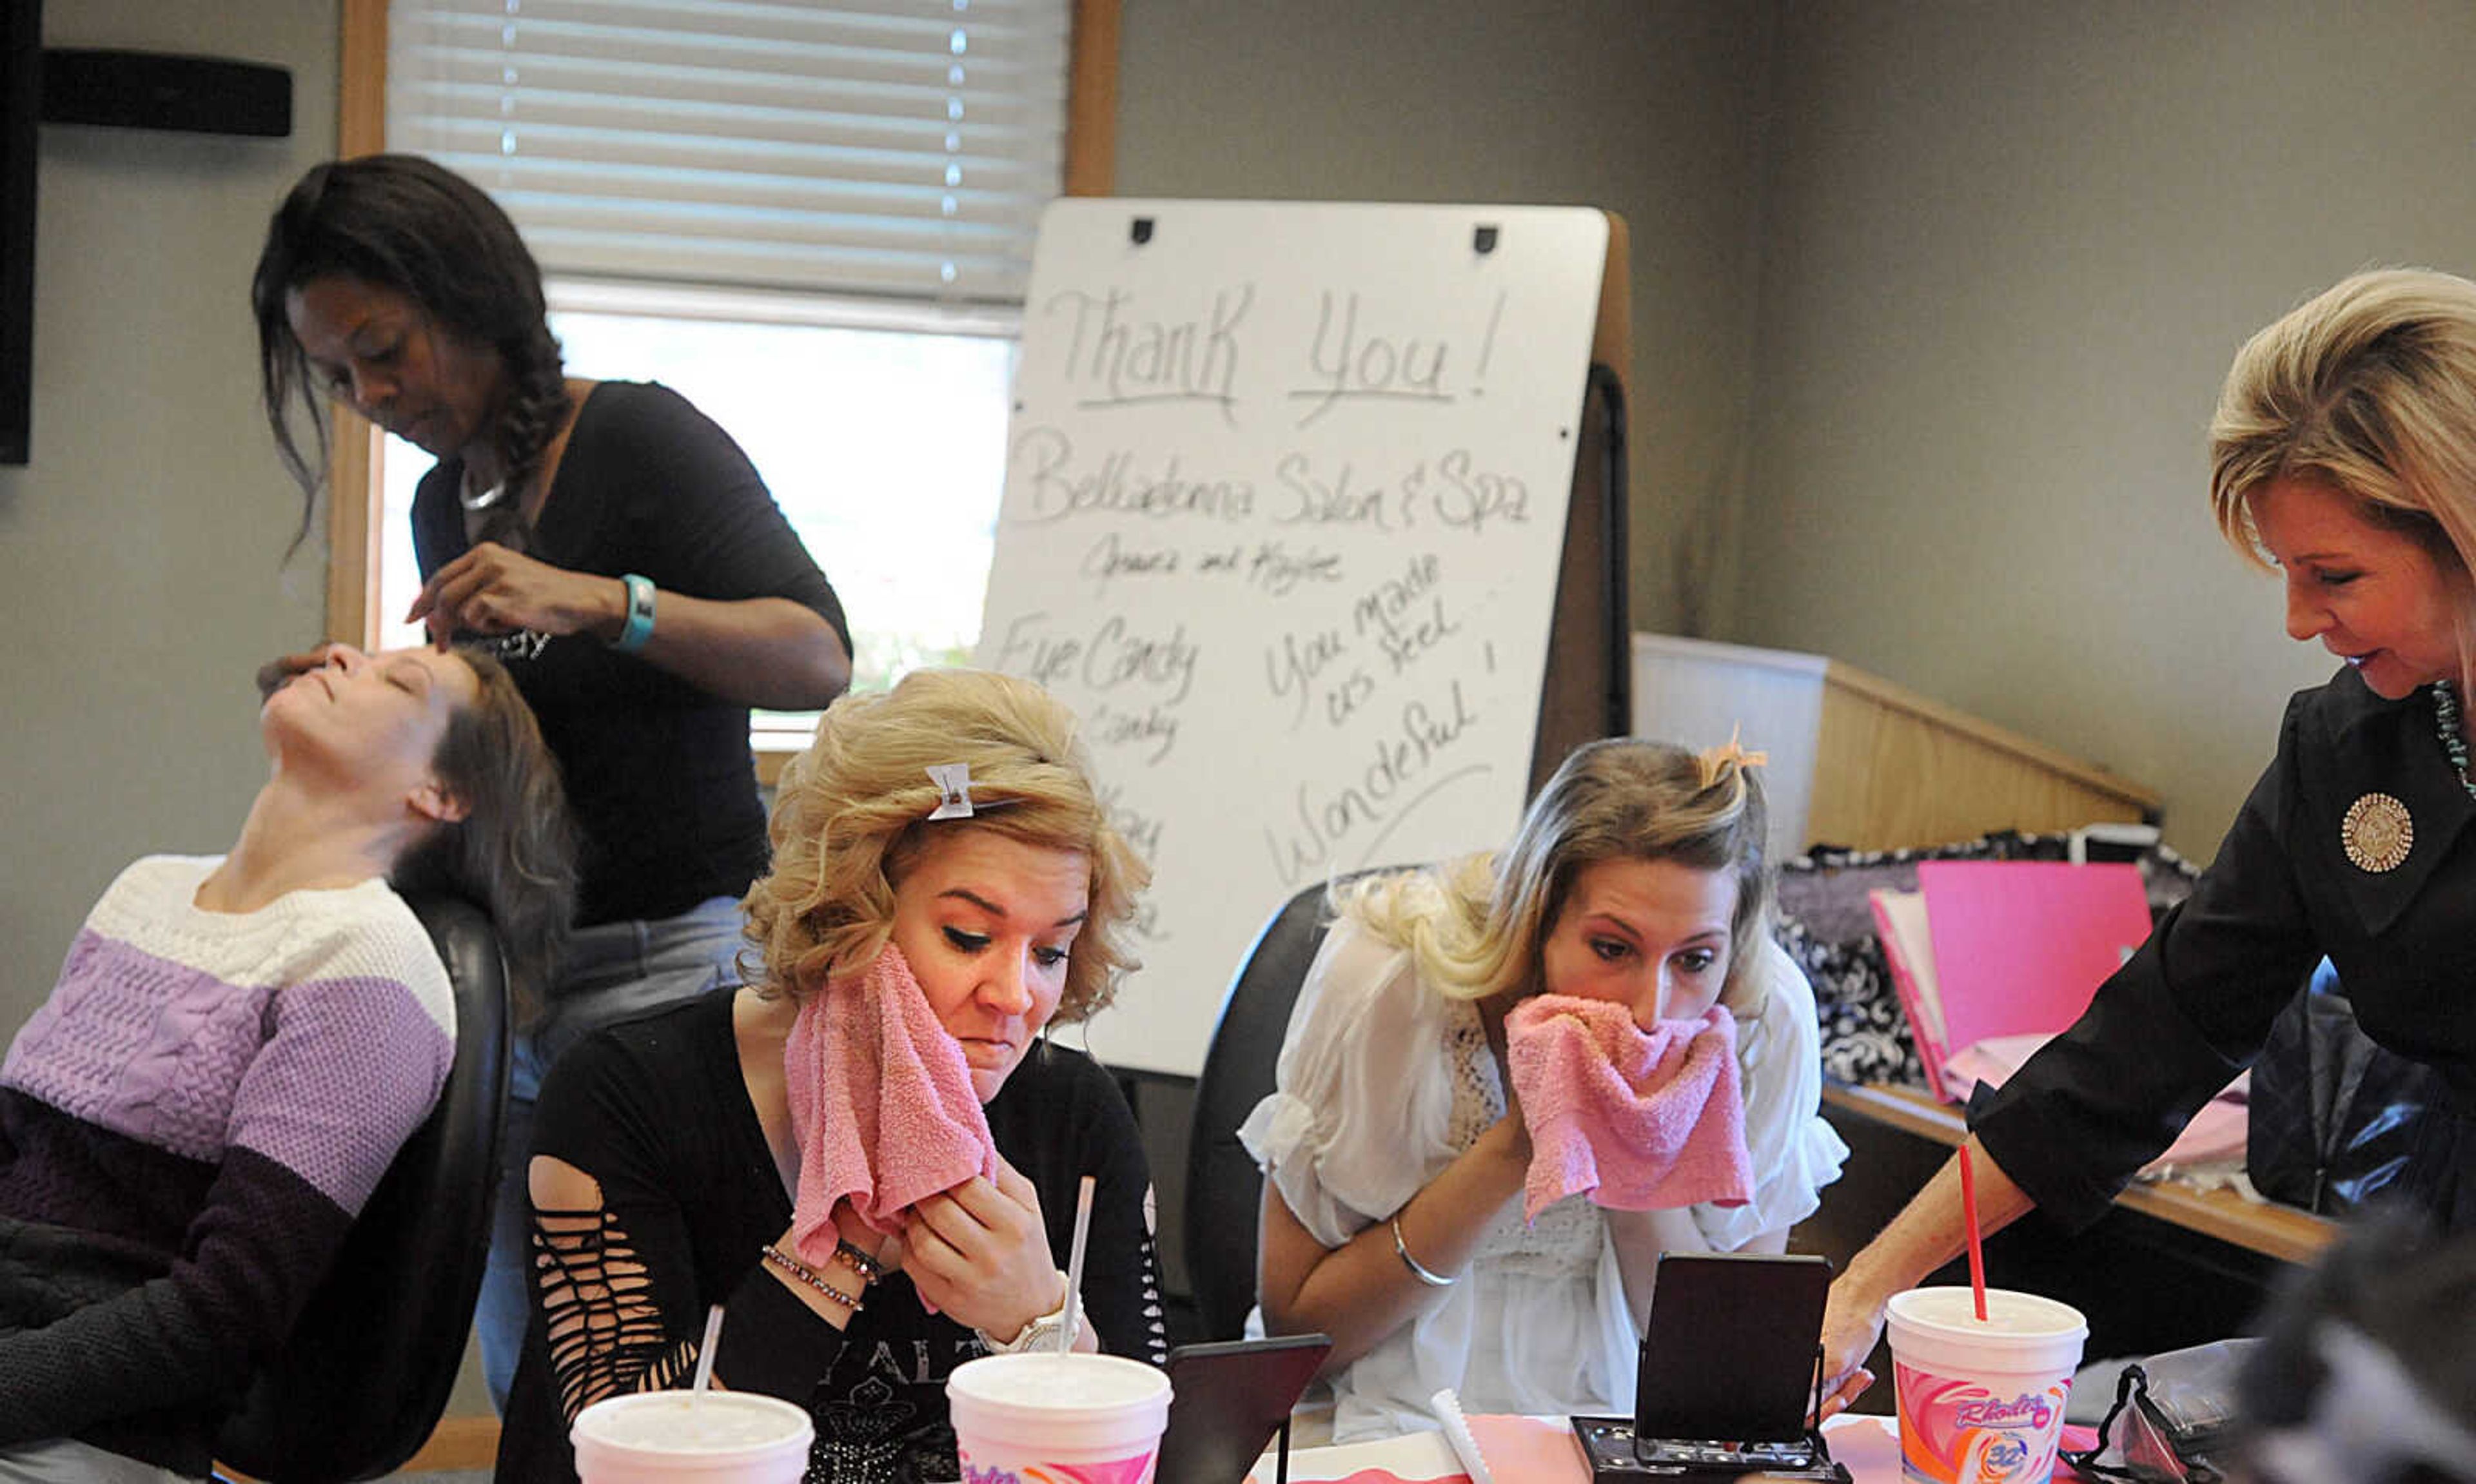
(537, 406)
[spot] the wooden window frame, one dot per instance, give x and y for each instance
(354, 512)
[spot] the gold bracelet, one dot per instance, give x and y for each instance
(810, 1277)
(869, 1269)
(1417, 1268)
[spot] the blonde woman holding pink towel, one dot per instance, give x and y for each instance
(1512, 1081)
(869, 1156)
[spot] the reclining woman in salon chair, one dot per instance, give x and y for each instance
(1512, 1081)
(236, 1047)
(870, 1156)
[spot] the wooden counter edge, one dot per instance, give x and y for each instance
(2278, 1231)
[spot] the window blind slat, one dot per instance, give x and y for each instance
(797, 21)
(680, 142)
(870, 146)
(656, 188)
(924, 232)
(475, 110)
(925, 90)
(929, 61)
(766, 266)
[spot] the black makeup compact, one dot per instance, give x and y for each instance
(1731, 1369)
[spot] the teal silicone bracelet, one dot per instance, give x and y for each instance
(640, 626)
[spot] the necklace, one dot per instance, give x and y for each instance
(476, 501)
(2454, 743)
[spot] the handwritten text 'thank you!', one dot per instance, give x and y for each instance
(1121, 349)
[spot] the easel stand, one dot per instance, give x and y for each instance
(1588, 690)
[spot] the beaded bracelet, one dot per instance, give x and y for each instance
(869, 1269)
(809, 1275)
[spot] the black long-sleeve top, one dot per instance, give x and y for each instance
(2193, 1006)
(657, 770)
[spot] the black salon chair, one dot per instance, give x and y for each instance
(1223, 1189)
(367, 1372)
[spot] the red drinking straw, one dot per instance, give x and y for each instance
(1976, 1254)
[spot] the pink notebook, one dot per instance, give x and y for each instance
(1908, 951)
(2020, 946)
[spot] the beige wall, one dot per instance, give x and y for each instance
(1651, 109)
(2008, 254)
(139, 552)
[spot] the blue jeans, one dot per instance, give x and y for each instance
(613, 971)
(65, 1461)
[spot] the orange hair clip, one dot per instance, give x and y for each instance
(1715, 761)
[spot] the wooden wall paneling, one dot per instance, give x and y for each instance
(1894, 770)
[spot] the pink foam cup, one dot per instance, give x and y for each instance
(1048, 1419)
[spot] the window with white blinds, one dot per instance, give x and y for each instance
(888, 148)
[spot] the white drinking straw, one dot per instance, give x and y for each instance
(1074, 1268)
(704, 1355)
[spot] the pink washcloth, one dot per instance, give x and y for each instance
(1644, 1120)
(882, 1104)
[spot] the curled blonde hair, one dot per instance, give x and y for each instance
(1477, 926)
(2368, 388)
(851, 811)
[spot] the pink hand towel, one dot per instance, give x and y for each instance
(882, 1104)
(1643, 1120)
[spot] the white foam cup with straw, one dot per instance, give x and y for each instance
(1980, 1375)
(1034, 1415)
(1981, 1401)
(698, 1436)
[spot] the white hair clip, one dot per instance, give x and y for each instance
(953, 780)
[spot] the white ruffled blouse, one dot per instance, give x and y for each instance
(1382, 1082)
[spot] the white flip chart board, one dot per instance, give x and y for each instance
(1285, 497)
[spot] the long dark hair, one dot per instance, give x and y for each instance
(514, 854)
(404, 223)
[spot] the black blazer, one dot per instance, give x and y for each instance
(2194, 1005)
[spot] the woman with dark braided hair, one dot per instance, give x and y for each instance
(610, 544)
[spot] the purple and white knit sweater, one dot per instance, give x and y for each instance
(187, 1127)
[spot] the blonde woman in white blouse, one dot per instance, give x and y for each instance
(1396, 1152)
